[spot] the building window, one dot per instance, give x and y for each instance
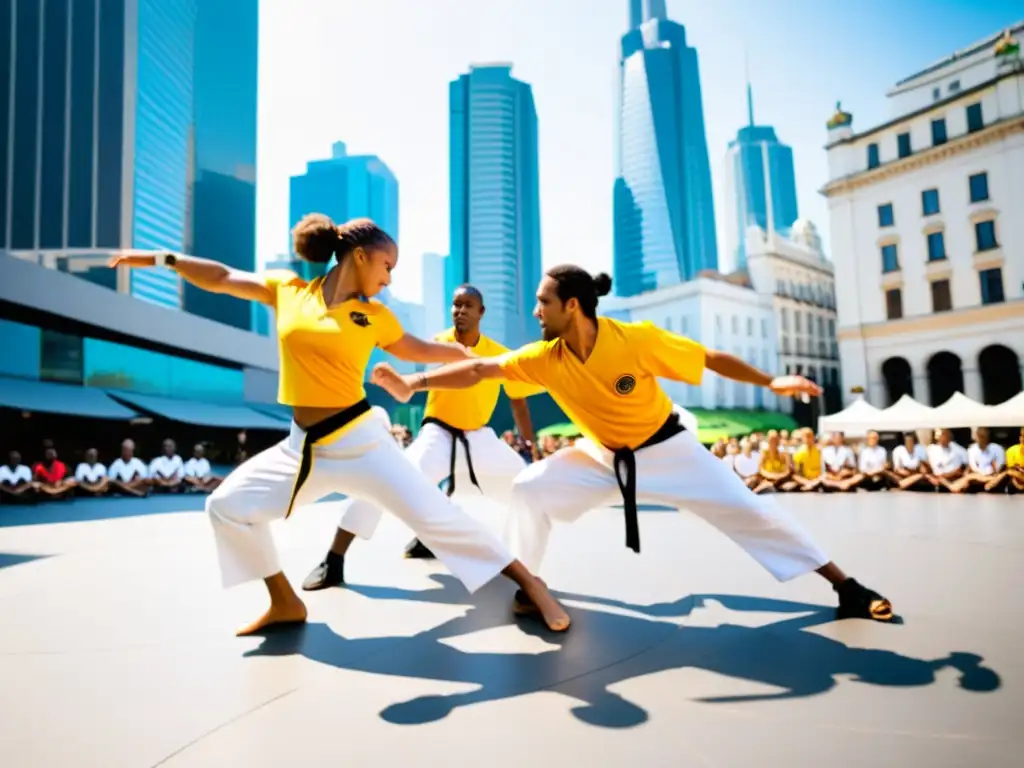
(718, 323)
(903, 145)
(936, 246)
(750, 326)
(785, 345)
(939, 136)
(764, 328)
(668, 324)
(975, 119)
(684, 326)
(979, 187)
(991, 286)
(60, 357)
(821, 325)
(799, 345)
(873, 156)
(784, 316)
(929, 202)
(735, 325)
(890, 258)
(831, 328)
(894, 304)
(885, 215)
(942, 301)
(985, 236)
(936, 94)
(954, 87)
(797, 321)
(822, 352)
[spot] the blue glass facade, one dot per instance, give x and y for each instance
(663, 203)
(223, 224)
(495, 199)
(761, 180)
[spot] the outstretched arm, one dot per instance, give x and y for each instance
(209, 275)
(460, 375)
(732, 367)
(416, 350)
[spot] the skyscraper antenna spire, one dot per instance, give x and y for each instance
(750, 91)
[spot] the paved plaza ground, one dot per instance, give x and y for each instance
(117, 647)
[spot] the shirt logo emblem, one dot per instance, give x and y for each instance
(359, 319)
(625, 384)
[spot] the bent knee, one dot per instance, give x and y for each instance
(223, 505)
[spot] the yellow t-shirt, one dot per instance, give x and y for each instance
(324, 353)
(1013, 456)
(773, 465)
(808, 462)
(614, 397)
(470, 409)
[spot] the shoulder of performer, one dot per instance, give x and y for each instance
(445, 337)
(528, 363)
(665, 353)
(389, 327)
(488, 347)
(274, 278)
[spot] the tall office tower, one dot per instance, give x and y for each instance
(96, 151)
(495, 198)
(223, 145)
(664, 215)
(760, 183)
(346, 187)
(433, 294)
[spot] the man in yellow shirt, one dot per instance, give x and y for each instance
(1015, 465)
(604, 375)
(451, 420)
(808, 464)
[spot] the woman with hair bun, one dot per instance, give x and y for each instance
(327, 328)
(604, 375)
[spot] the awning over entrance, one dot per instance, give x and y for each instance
(66, 399)
(203, 414)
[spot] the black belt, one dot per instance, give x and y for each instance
(315, 434)
(627, 457)
(458, 436)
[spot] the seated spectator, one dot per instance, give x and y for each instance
(986, 463)
(128, 474)
(807, 464)
(775, 468)
(947, 459)
(840, 464)
(51, 477)
(910, 468)
(198, 473)
(747, 464)
(167, 471)
(1015, 465)
(16, 480)
(91, 476)
(718, 449)
(872, 466)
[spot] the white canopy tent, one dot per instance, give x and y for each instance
(1007, 414)
(855, 420)
(904, 415)
(961, 411)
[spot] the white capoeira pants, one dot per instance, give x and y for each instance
(679, 472)
(363, 462)
(495, 464)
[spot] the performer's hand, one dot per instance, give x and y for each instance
(134, 258)
(794, 386)
(388, 379)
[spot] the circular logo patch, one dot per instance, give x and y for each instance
(625, 384)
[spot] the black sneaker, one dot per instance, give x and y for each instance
(330, 573)
(416, 550)
(858, 602)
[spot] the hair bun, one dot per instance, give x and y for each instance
(602, 284)
(315, 238)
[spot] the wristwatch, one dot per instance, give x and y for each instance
(167, 259)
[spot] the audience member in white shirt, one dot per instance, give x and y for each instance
(167, 472)
(198, 474)
(747, 464)
(872, 465)
(986, 464)
(840, 464)
(91, 476)
(947, 460)
(128, 473)
(16, 479)
(910, 467)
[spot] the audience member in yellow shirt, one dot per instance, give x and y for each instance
(604, 375)
(776, 469)
(808, 475)
(1015, 465)
(452, 421)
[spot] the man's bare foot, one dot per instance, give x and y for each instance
(292, 612)
(538, 600)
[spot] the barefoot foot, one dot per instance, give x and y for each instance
(283, 613)
(538, 601)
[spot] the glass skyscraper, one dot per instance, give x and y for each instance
(223, 150)
(111, 108)
(759, 182)
(346, 187)
(495, 198)
(664, 216)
